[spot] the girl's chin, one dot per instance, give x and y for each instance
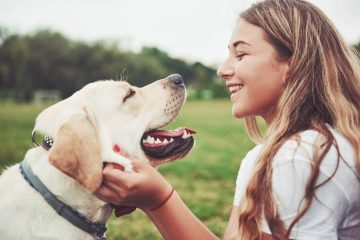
(234, 96)
(240, 110)
(238, 113)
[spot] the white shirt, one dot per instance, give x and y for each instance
(335, 214)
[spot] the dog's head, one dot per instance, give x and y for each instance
(104, 113)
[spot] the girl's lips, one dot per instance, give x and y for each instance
(234, 89)
(234, 96)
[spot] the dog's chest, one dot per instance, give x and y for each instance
(26, 215)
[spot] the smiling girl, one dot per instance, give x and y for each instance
(288, 65)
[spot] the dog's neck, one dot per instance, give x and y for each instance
(67, 189)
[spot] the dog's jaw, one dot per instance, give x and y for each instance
(117, 122)
(156, 111)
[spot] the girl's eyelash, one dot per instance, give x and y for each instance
(240, 55)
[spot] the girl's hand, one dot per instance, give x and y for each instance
(144, 188)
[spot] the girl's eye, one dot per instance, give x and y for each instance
(129, 94)
(240, 56)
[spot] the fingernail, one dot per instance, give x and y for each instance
(119, 167)
(116, 148)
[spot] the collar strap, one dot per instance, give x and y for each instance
(95, 229)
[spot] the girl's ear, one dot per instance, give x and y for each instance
(76, 150)
(286, 68)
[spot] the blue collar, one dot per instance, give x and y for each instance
(97, 230)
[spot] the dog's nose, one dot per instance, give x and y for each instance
(176, 79)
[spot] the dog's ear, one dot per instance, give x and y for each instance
(76, 150)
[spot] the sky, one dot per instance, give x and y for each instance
(192, 30)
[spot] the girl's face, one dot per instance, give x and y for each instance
(253, 72)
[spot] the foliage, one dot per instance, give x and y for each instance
(48, 60)
(357, 49)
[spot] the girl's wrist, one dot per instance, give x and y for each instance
(164, 201)
(166, 194)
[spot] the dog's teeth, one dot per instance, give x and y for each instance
(147, 140)
(150, 139)
(165, 141)
(171, 139)
(184, 135)
(158, 141)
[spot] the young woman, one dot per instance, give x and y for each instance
(288, 65)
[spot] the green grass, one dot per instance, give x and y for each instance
(205, 179)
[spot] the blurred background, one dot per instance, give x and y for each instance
(51, 48)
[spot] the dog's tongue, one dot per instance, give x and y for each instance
(170, 133)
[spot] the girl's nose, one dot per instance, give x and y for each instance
(225, 71)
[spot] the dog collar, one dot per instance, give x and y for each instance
(97, 230)
(46, 143)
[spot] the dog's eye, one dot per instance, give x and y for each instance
(130, 93)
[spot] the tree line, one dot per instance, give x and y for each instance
(49, 60)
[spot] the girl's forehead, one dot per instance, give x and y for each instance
(246, 33)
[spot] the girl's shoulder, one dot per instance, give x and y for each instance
(309, 142)
(250, 159)
(255, 151)
(338, 186)
(303, 146)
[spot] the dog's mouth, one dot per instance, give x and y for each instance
(167, 145)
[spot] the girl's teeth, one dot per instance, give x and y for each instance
(236, 88)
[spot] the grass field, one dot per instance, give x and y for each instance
(205, 179)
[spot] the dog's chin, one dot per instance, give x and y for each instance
(162, 146)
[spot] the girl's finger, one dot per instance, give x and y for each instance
(104, 193)
(136, 162)
(124, 153)
(139, 165)
(115, 188)
(115, 175)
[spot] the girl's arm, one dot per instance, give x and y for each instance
(233, 226)
(146, 189)
(175, 221)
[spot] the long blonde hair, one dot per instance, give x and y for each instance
(322, 87)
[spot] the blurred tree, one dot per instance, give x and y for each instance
(48, 60)
(357, 48)
(4, 33)
(169, 64)
(14, 56)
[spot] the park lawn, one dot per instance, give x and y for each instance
(205, 179)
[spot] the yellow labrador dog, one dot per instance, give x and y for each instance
(49, 194)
